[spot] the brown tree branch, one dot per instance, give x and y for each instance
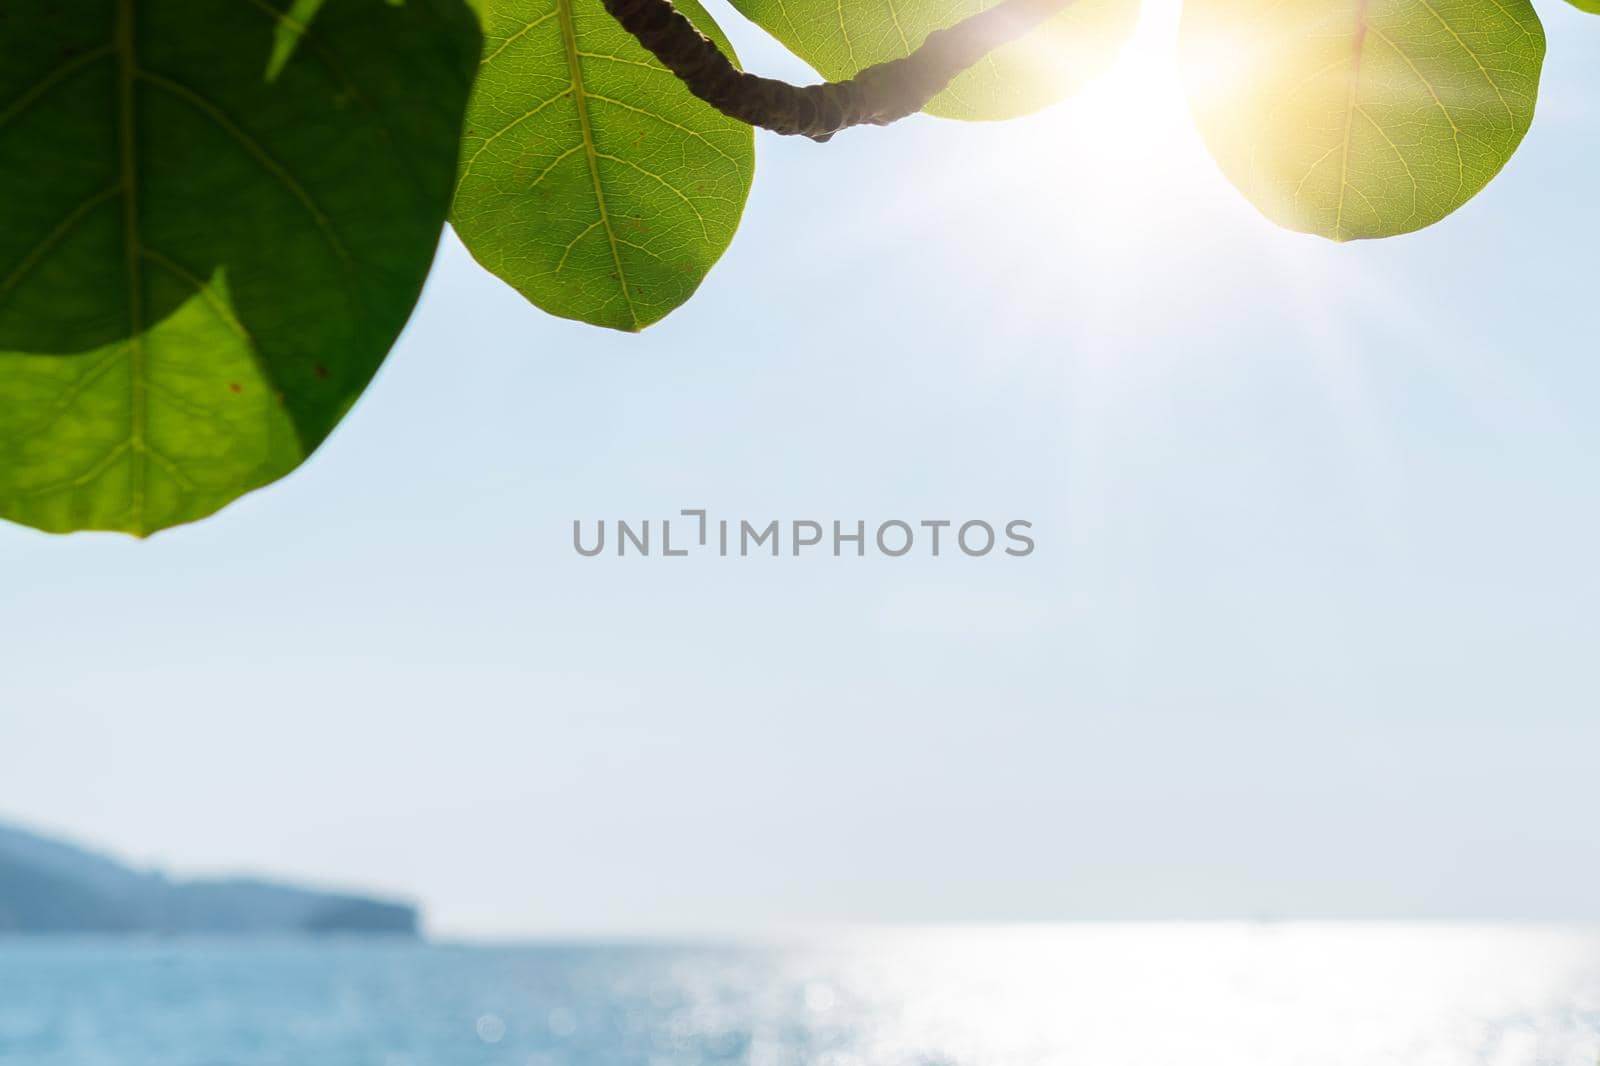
(877, 96)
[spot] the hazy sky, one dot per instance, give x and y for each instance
(1310, 630)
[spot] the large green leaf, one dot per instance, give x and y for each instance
(841, 38)
(1591, 6)
(215, 217)
(591, 180)
(1361, 118)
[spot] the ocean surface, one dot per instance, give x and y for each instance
(1097, 995)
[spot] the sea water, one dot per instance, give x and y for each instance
(1096, 995)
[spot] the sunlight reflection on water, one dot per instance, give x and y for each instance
(1106, 995)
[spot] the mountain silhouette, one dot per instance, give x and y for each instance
(49, 886)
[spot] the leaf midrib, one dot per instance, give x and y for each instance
(124, 53)
(1363, 12)
(127, 72)
(569, 40)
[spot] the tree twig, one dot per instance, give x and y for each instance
(877, 96)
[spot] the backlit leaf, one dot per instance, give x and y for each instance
(591, 180)
(839, 39)
(1361, 118)
(215, 217)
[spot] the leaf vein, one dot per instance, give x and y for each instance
(569, 38)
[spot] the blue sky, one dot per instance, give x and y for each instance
(1310, 629)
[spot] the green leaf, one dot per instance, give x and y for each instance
(591, 180)
(839, 38)
(215, 218)
(1591, 6)
(1361, 118)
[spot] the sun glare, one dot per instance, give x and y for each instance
(1127, 142)
(1136, 246)
(1116, 177)
(1114, 168)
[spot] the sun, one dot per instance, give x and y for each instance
(1128, 142)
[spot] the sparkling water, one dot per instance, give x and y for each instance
(1097, 995)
